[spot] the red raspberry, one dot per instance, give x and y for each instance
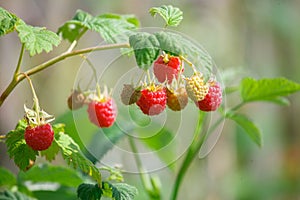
(178, 99)
(153, 100)
(102, 113)
(40, 137)
(167, 69)
(213, 98)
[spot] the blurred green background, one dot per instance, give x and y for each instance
(259, 38)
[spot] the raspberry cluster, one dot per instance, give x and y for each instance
(173, 89)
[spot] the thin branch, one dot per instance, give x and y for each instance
(16, 80)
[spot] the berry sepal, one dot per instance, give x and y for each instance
(36, 118)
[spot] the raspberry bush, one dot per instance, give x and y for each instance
(176, 73)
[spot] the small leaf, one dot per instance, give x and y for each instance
(9, 195)
(7, 178)
(49, 173)
(89, 192)
(70, 30)
(248, 126)
(176, 44)
(170, 14)
(267, 89)
(7, 21)
(74, 157)
(36, 39)
(146, 49)
(17, 147)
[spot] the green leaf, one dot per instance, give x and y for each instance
(267, 89)
(49, 173)
(248, 126)
(112, 27)
(176, 44)
(7, 178)
(74, 157)
(126, 192)
(36, 39)
(146, 49)
(66, 193)
(170, 14)
(7, 21)
(119, 191)
(9, 195)
(89, 192)
(17, 147)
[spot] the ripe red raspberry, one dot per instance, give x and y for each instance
(102, 113)
(153, 100)
(167, 68)
(178, 99)
(129, 94)
(213, 98)
(40, 137)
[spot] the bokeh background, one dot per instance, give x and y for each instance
(259, 38)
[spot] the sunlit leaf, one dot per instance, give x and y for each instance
(170, 14)
(36, 39)
(267, 89)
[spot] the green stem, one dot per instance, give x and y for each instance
(235, 108)
(197, 141)
(193, 150)
(149, 76)
(16, 80)
(17, 71)
(189, 63)
(36, 105)
(146, 182)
